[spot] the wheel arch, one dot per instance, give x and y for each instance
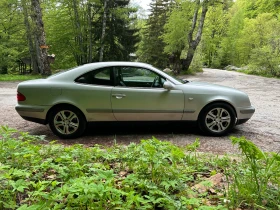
(214, 102)
(63, 105)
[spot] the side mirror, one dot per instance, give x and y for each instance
(168, 85)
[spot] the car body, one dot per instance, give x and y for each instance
(128, 91)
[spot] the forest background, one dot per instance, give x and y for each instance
(183, 35)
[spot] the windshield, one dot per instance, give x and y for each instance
(184, 81)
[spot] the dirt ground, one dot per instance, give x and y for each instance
(263, 128)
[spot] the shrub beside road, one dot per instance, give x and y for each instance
(150, 175)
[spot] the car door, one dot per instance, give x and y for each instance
(139, 95)
(94, 94)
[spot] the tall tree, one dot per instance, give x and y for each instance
(104, 20)
(117, 37)
(40, 39)
(11, 33)
(260, 44)
(151, 49)
(175, 31)
(229, 53)
(26, 10)
(184, 30)
(195, 32)
(215, 30)
(99, 30)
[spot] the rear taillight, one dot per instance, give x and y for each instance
(20, 97)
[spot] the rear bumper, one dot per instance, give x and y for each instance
(36, 120)
(33, 113)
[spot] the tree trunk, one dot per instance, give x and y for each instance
(79, 36)
(193, 43)
(187, 62)
(34, 64)
(103, 31)
(90, 34)
(40, 39)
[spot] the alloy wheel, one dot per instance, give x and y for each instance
(66, 122)
(217, 120)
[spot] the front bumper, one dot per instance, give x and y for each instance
(239, 122)
(245, 113)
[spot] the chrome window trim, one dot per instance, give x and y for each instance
(157, 73)
(96, 69)
(92, 85)
(153, 88)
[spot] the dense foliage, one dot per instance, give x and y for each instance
(151, 47)
(77, 32)
(243, 33)
(35, 174)
(181, 34)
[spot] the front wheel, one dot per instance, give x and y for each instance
(217, 119)
(67, 122)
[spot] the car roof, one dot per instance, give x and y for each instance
(75, 72)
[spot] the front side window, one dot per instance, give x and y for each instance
(96, 77)
(138, 77)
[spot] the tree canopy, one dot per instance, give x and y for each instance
(179, 34)
(75, 32)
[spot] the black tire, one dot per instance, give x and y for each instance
(67, 122)
(217, 119)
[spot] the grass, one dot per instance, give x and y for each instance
(15, 77)
(35, 174)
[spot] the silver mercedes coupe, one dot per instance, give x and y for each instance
(128, 91)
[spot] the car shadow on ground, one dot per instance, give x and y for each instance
(124, 133)
(110, 133)
(140, 128)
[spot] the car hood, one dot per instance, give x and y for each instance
(206, 84)
(208, 87)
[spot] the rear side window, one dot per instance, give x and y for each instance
(97, 77)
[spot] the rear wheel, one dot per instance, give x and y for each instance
(67, 122)
(217, 119)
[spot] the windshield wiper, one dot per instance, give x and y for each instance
(185, 81)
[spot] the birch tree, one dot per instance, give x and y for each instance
(40, 39)
(105, 10)
(26, 10)
(195, 32)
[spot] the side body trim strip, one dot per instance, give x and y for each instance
(25, 109)
(136, 111)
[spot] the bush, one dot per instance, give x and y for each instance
(264, 62)
(256, 183)
(154, 174)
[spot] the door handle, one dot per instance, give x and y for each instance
(118, 96)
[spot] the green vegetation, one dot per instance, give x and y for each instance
(16, 77)
(35, 174)
(239, 33)
(75, 31)
(151, 47)
(183, 35)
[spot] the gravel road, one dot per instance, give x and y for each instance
(263, 128)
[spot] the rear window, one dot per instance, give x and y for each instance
(96, 77)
